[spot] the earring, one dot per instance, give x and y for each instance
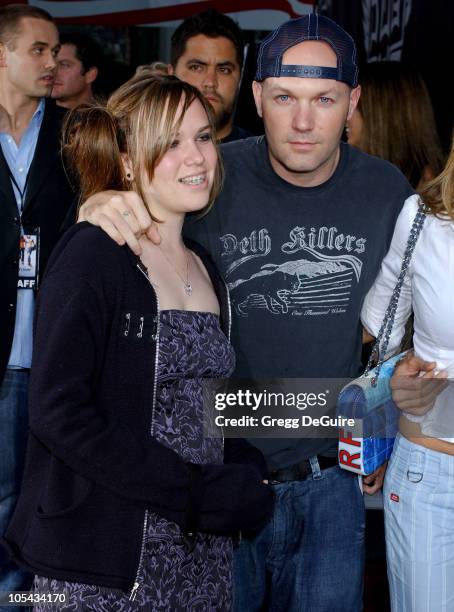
(347, 130)
(128, 176)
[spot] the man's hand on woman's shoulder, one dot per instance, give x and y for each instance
(122, 215)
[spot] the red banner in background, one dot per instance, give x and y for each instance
(250, 14)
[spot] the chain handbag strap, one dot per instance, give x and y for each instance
(386, 328)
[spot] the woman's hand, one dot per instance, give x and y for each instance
(122, 215)
(416, 384)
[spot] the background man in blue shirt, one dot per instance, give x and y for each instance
(35, 196)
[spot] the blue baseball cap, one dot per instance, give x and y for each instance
(295, 31)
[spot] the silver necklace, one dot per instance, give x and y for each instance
(186, 283)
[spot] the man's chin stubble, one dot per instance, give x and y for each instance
(223, 119)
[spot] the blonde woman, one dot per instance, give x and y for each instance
(125, 504)
(419, 484)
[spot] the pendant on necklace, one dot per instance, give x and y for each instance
(188, 288)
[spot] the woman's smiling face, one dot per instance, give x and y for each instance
(183, 178)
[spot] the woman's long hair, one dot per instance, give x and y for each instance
(140, 121)
(438, 194)
(398, 120)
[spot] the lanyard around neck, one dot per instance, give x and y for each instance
(21, 191)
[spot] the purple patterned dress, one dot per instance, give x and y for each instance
(191, 347)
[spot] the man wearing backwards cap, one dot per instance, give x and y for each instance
(299, 232)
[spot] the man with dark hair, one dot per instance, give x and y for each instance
(35, 196)
(78, 64)
(207, 52)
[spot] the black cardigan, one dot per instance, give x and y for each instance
(92, 468)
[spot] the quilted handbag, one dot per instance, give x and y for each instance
(366, 445)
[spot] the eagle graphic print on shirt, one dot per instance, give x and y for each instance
(313, 273)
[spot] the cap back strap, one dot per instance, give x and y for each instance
(314, 72)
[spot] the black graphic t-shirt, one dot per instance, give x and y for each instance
(298, 263)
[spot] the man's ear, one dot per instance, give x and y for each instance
(354, 99)
(257, 92)
(91, 75)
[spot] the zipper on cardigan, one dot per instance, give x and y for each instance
(156, 338)
(229, 326)
(134, 590)
(140, 334)
(136, 585)
(127, 324)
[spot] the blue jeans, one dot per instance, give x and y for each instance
(13, 439)
(310, 556)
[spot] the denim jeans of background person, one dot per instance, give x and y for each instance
(13, 438)
(298, 208)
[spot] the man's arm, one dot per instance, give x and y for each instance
(122, 215)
